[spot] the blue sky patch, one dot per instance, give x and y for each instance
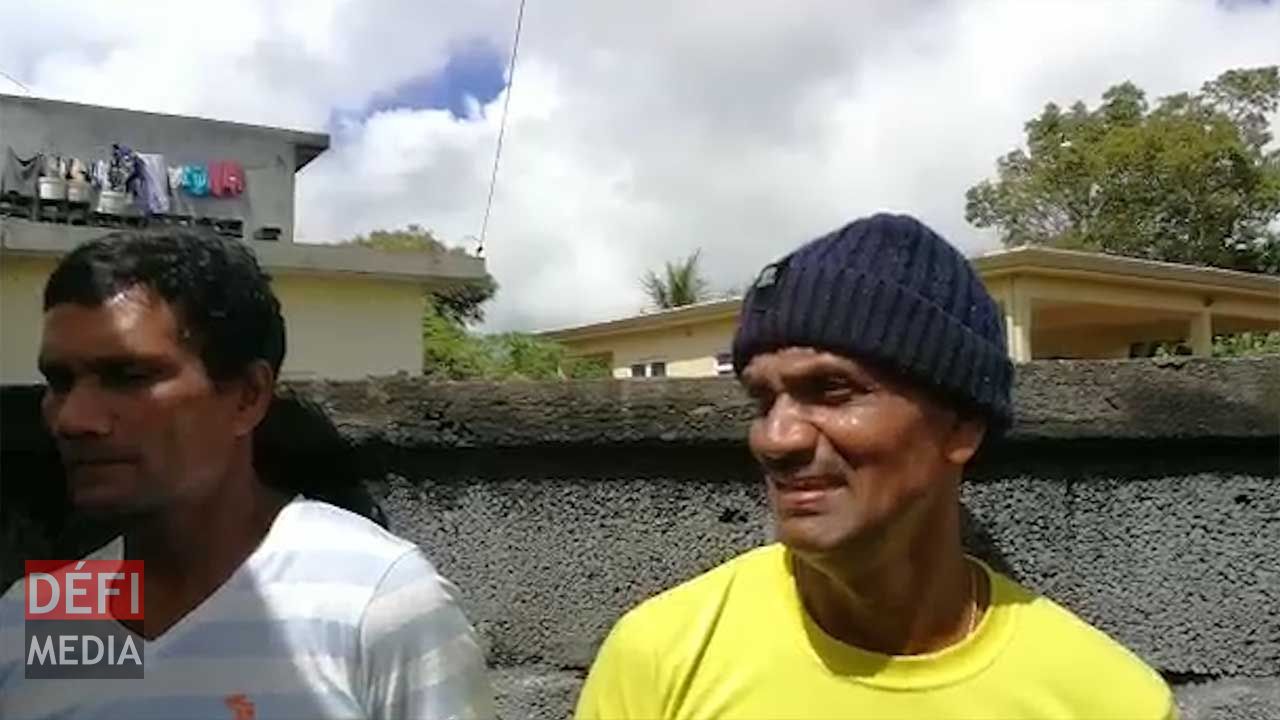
(477, 71)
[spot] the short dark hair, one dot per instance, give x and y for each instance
(221, 295)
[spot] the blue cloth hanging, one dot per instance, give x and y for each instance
(195, 180)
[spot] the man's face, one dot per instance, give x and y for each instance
(848, 450)
(137, 420)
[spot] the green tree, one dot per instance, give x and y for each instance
(1190, 180)
(451, 351)
(681, 283)
(413, 238)
(523, 356)
(1247, 344)
(463, 304)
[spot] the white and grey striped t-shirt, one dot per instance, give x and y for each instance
(330, 617)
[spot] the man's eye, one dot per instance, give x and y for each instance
(58, 381)
(126, 377)
(838, 390)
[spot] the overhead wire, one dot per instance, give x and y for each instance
(502, 129)
(15, 81)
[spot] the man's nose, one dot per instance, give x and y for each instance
(784, 439)
(80, 410)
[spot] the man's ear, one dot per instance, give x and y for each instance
(255, 391)
(964, 438)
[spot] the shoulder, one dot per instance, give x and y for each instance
(412, 591)
(670, 616)
(317, 524)
(334, 535)
(1043, 618)
(655, 644)
(1098, 670)
(404, 601)
(401, 582)
(374, 577)
(419, 653)
(709, 589)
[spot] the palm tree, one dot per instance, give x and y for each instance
(680, 284)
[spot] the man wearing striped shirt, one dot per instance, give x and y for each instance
(161, 353)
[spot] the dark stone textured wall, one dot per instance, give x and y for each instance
(1143, 495)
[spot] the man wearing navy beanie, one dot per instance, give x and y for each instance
(878, 363)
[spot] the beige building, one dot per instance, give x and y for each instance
(350, 312)
(1056, 304)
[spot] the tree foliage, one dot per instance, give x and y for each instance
(463, 304)
(451, 351)
(1237, 345)
(681, 283)
(1247, 344)
(413, 238)
(1190, 180)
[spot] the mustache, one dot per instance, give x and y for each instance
(807, 468)
(806, 480)
(73, 456)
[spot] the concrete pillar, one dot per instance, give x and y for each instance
(1017, 323)
(1201, 336)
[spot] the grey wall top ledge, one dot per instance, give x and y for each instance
(1176, 399)
(1179, 398)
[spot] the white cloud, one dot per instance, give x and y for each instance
(639, 131)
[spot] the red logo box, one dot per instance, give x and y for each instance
(83, 590)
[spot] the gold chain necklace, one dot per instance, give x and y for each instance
(973, 598)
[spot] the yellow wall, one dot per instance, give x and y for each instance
(338, 327)
(689, 351)
(21, 300)
(342, 328)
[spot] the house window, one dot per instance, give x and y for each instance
(655, 369)
(724, 364)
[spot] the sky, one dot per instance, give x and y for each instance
(638, 132)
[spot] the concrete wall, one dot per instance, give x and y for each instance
(334, 322)
(345, 328)
(1144, 495)
(87, 132)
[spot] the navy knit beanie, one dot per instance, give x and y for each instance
(888, 289)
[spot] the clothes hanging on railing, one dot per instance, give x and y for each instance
(79, 170)
(123, 173)
(128, 184)
(154, 197)
(195, 180)
(18, 175)
(226, 178)
(175, 178)
(100, 175)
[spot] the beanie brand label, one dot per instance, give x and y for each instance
(766, 284)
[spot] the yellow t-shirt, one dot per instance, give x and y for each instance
(737, 643)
